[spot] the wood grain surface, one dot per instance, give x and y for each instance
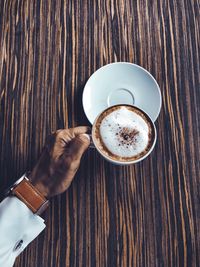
(145, 215)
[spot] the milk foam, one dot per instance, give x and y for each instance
(112, 130)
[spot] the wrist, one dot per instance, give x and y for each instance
(41, 188)
(36, 181)
(24, 190)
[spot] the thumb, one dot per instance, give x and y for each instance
(79, 145)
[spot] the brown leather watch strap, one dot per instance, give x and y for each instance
(28, 194)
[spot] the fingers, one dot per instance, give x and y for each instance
(80, 130)
(79, 145)
(68, 134)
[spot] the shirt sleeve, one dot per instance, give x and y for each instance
(18, 227)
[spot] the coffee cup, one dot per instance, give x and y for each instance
(123, 134)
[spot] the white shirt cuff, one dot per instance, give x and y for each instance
(18, 227)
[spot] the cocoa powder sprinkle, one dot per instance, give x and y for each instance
(127, 136)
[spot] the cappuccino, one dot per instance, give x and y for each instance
(123, 133)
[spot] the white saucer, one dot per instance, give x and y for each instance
(121, 83)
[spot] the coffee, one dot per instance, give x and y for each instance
(123, 133)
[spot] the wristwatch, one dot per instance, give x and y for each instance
(28, 194)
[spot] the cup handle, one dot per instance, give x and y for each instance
(91, 142)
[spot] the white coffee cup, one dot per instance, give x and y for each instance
(130, 160)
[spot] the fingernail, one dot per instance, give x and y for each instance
(87, 135)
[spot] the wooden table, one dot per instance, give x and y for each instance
(145, 215)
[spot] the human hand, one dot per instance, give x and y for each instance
(60, 160)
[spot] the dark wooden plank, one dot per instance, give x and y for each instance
(142, 215)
